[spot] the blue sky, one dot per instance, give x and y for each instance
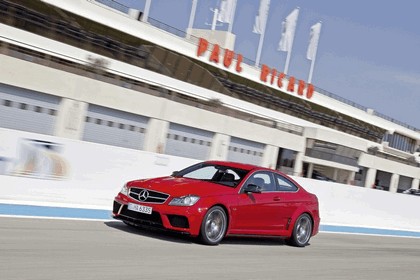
(368, 50)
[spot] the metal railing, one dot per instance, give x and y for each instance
(115, 5)
(331, 157)
(410, 161)
(382, 116)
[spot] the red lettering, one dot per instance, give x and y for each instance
(265, 70)
(273, 75)
(239, 59)
(310, 91)
(202, 46)
(227, 60)
(280, 79)
(214, 57)
(301, 87)
(291, 85)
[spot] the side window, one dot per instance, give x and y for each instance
(228, 177)
(284, 185)
(263, 180)
(235, 176)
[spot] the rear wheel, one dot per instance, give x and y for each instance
(302, 231)
(213, 226)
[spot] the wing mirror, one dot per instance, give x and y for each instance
(251, 188)
(175, 173)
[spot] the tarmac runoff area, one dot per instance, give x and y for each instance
(35, 248)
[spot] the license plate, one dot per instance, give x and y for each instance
(140, 208)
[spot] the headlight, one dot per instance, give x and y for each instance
(188, 200)
(124, 190)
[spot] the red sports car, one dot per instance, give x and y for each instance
(213, 199)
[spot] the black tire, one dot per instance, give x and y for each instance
(214, 226)
(302, 231)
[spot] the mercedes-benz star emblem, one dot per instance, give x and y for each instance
(143, 195)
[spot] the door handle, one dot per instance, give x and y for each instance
(276, 198)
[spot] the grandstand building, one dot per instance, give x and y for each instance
(91, 71)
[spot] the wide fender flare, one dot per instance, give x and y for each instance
(299, 211)
(211, 202)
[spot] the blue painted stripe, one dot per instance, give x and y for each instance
(363, 230)
(53, 212)
(80, 213)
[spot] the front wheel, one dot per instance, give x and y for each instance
(213, 226)
(302, 231)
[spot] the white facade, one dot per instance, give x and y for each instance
(78, 92)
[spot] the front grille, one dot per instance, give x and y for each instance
(152, 197)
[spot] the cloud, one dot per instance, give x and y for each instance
(412, 79)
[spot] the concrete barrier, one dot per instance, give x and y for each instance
(45, 171)
(346, 205)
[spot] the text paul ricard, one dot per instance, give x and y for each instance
(267, 75)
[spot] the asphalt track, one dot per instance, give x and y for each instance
(71, 249)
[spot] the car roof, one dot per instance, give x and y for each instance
(239, 165)
(250, 167)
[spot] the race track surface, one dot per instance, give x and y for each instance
(101, 250)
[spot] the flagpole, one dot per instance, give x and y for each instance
(286, 67)
(257, 60)
(260, 25)
(146, 10)
(289, 52)
(192, 16)
(214, 22)
(233, 16)
(311, 71)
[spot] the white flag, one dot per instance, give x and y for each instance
(288, 31)
(313, 41)
(261, 18)
(226, 11)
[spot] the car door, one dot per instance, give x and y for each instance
(290, 198)
(258, 213)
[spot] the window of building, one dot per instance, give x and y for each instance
(400, 142)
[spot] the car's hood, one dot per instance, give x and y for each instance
(182, 186)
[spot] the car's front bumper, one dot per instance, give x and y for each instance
(175, 218)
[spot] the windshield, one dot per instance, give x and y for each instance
(219, 174)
